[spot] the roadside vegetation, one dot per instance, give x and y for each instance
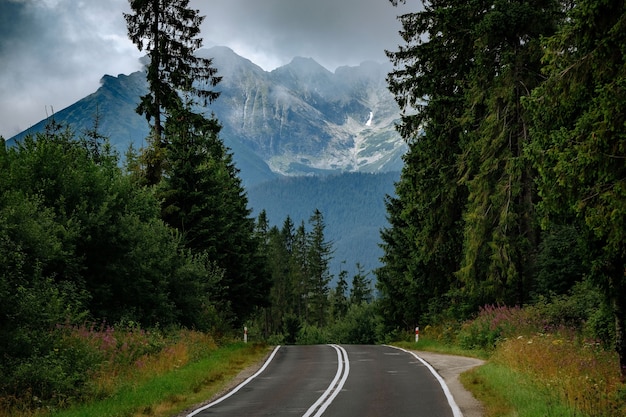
(507, 228)
(541, 361)
(506, 233)
(126, 371)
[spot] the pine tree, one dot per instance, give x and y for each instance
(339, 300)
(319, 254)
(203, 198)
(282, 301)
(579, 142)
(466, 193)
(361, 291)
(500, 236)
(401, 303)
(429, 81)
(300, 279)
(168, 30)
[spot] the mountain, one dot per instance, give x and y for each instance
(298, 119)
(328, 132)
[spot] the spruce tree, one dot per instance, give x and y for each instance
(204, 199)
(168, 30)
(401, 302)
(360, 292)
(338, 297)
(579, 142)
(319, 254)
(500, 240)
(301, 261)
(466, 193)
(429, 80)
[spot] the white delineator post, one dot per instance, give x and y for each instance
(417, 334)
(245, 335)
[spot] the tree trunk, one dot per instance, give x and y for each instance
(619, 312)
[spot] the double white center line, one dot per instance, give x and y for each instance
(343, 369)
(322, 403)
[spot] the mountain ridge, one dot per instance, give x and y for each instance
(322, 130)
(298, 119)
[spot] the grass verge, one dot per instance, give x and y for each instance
(176, 390)
(432, 345)
(504, 392)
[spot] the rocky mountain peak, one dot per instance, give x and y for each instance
(298, 119)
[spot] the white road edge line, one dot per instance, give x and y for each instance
(456, 411)
(343, 366)
(240, 386)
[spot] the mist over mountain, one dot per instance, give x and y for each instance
(298, 120)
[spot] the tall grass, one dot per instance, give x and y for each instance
(581, 374)
(507, 393)
(164, 393)
(102, 367)
(569, 373)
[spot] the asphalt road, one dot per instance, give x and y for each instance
(338, 381)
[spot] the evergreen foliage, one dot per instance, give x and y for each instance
(81, 241)
(303, 308)
(352, 204)
(204, 200)
(513, 186)
(580, 140)
(318, 255)
(168, 30)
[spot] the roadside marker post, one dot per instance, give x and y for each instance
(417, 334)
(245, 334)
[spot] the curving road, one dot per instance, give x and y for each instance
(338, 381)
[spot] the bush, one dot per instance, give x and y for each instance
(493, 324)
(361, 325)
(583, 310)
(292, 327)
(312, 335)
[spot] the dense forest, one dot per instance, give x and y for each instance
(353, 206)
(513, 189)
(84, 240)
(513, 193)
(164, 240)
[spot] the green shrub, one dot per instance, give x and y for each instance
(276, 339)
(292, 327)
(312, 335)
(493, 324)
(361, 325)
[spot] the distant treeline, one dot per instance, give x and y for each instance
(353, 205)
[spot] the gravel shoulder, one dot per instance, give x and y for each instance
(450, 367)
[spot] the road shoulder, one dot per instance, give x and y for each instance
(450, 367)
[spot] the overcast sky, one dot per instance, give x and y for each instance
(54, 52)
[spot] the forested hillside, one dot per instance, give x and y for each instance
(353, 205)
(512, 191)
(510, 210)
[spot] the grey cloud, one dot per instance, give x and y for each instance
(333, 32)
(54, 52)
